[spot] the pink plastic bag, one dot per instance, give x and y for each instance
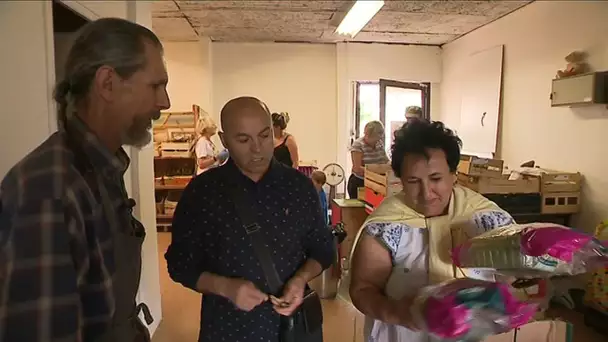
(467, 309)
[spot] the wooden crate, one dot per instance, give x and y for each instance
(361, 194)
(475, 166)
(176, 180)
(561, 202)
(552, 181)
(502, 185)
(175, 150)
(381, 179)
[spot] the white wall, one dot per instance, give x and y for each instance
(295, 78)
(29, 115)
(190, 78)
(370, 62)
(142, 177)
(312, 82)
(536, 39)
(25, 92)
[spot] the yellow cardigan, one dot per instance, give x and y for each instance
(464, 203)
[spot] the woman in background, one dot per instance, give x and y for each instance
(205, 151)
(285, 147)
(369, 149)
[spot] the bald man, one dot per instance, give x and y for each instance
(215, 252)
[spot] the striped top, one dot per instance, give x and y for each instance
(371, 154)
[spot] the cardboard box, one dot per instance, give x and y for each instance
(499, 185)
(561, 203)
(475, 166)
(554, 181)
(540, 331)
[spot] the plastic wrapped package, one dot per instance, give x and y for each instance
(469, 310)
(537, 250)
(596, 295)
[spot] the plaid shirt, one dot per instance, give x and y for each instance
(57, 256)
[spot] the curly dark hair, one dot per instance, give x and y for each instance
(417, 136)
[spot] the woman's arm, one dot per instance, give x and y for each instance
(293, 150)
(357, 158)
(204, 154)
(205, 162)
(371, 268)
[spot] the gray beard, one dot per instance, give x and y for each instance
(139, 140)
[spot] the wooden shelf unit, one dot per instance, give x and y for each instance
(173, 131)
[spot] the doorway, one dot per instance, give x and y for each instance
(66, 24)
(386, 101)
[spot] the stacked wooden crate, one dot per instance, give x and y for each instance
(486, 176)
(560, 191)
(380, 182)
(523, 191)
(174, 164)
(517, 195)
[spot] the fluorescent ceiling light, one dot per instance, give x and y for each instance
(359, 15)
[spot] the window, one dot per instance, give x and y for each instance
(387, 101)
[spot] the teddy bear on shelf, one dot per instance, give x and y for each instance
(577, 64)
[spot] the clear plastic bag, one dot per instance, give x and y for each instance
(537, 250)
(469, 310)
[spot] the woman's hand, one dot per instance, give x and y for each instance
(403, 313)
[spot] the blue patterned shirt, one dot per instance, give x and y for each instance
(208, 236)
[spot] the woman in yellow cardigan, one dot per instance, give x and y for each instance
(404, 245)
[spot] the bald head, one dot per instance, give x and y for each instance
(247, 134)
(240, 107)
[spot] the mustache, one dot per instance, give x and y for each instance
(156, 115)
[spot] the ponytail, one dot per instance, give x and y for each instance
(61, 94)
(280, 119)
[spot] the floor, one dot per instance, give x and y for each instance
(343, 323)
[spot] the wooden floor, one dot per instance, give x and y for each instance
(181, 311)
(343, 323)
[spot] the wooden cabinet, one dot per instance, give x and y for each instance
(351, 213)
(586, 89)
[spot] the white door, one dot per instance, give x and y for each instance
(27, 69)
(480, 108)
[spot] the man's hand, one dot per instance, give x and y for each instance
(293, 294)
(243, 294)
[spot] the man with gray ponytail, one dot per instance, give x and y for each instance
(70, 261)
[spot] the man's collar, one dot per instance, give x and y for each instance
(98, 154)
(273, 170)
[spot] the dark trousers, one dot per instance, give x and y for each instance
(354, 183)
